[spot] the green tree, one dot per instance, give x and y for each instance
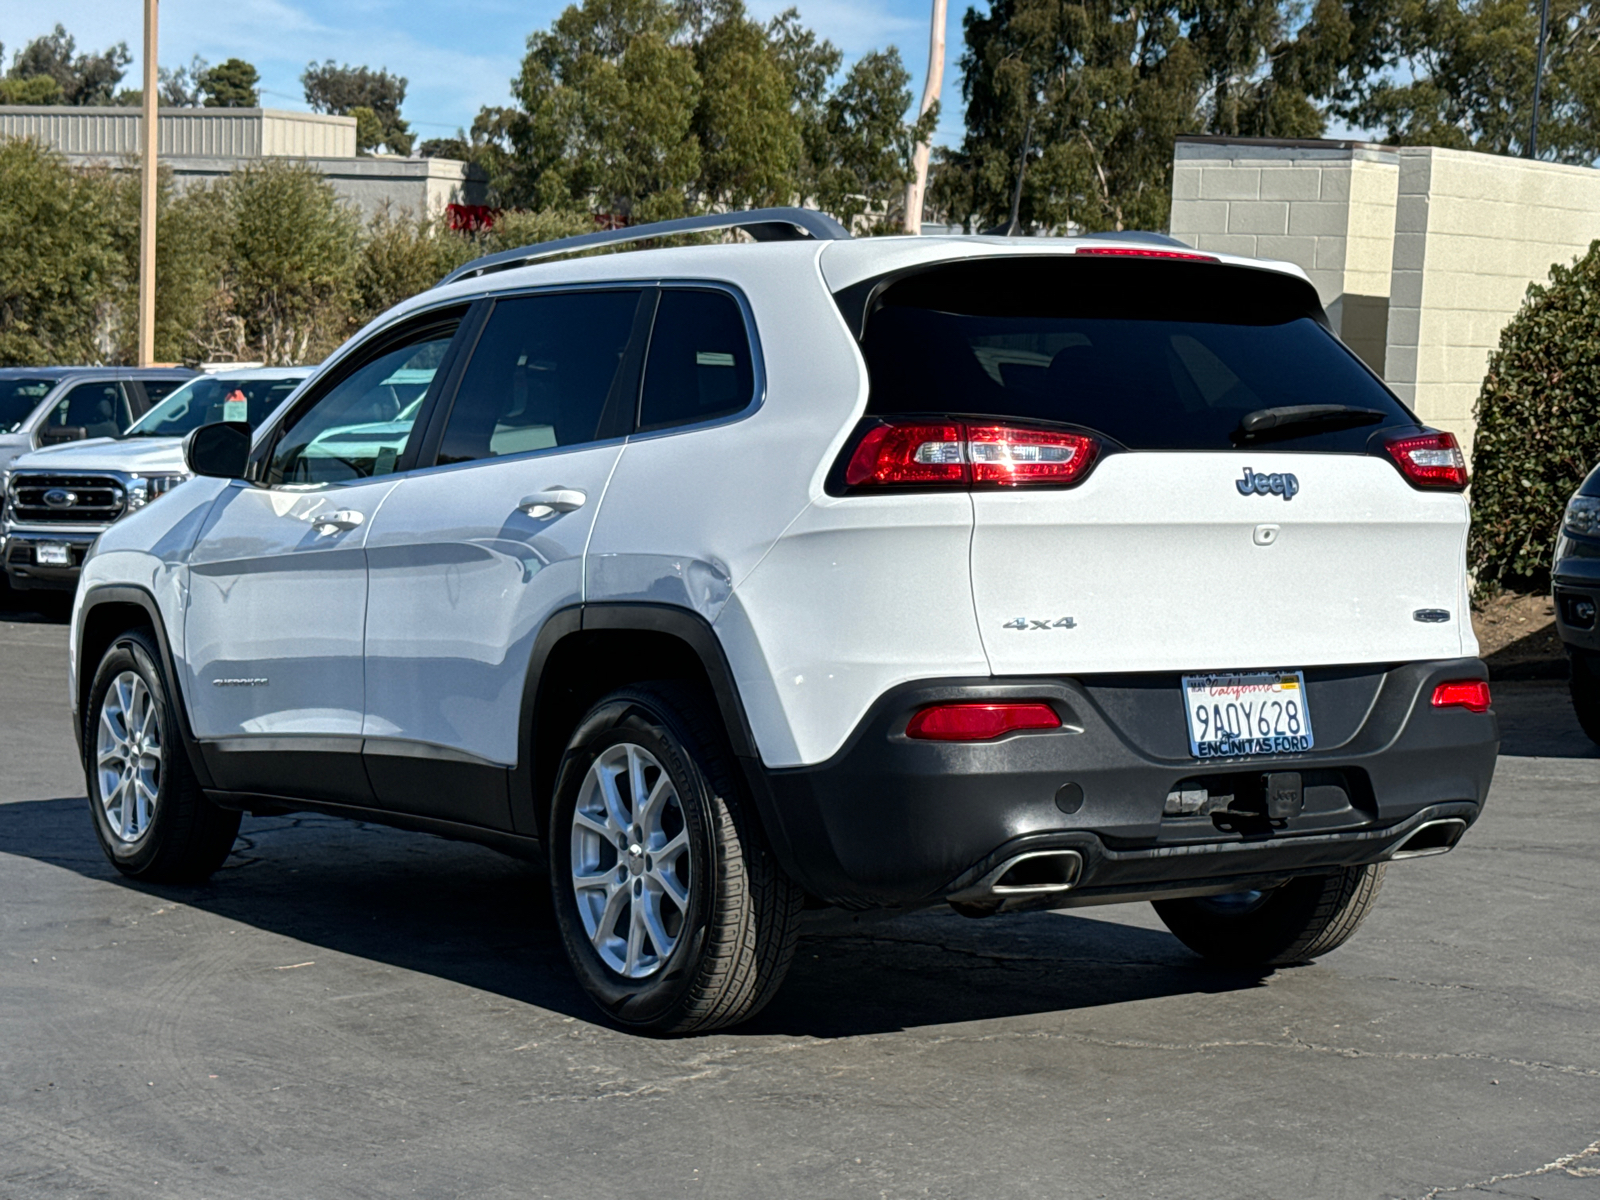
(1462, 77)
(80, 78)
(60, 263)
(37, 89)
(1538, 427)
(861, 152)
(342, 90)
(232, 83)
(750, 134)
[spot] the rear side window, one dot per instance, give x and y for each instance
(157, 390)
(541, 374)
(700, 364)
(18, 399)
(1155, 356)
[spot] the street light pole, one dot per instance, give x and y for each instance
(917, 188)
(1538, 77)
(147, 193)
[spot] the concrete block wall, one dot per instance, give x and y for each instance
(1326, 206)
(1472, 231)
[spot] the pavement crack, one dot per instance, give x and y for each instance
(1572, 1165)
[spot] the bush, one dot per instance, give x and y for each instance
(1538, 427)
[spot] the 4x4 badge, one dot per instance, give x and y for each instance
(1026, 623)
(1285, 484)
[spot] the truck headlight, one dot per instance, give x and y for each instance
(142, 489)
(1583, 516)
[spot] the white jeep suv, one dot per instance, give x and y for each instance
(871, 573)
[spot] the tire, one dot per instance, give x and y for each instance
(1295, 923)
(151, 818)
(708, 919)
(1585, 688)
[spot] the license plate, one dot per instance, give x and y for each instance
(48, 554)
(1249, 713)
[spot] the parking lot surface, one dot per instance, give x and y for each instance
(351, 1011)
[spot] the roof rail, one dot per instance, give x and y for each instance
(763, 224)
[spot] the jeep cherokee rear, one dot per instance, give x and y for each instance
(888, 573)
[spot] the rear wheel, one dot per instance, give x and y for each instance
(1294, 923)
(1585, 687)
(674, 912)
(152, 819)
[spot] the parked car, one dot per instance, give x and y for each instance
(878, 574)
(1575, 589)
(40, 406)
(58, 499)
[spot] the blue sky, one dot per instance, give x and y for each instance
(458, 56)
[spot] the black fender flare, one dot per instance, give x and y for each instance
(132, 594)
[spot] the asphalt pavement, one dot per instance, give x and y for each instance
(349, 1011)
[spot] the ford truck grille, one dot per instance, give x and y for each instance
(66, 499)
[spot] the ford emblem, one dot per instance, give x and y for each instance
(60, 498)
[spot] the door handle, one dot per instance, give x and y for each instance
(553, 500)
(338, 521)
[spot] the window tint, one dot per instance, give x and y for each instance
(540, 375)
(208, 399)
(99, 409)
(18, 398)
(360, 428)
(1164, 356)
(699, 365)
(156, 390)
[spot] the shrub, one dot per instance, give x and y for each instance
(1538, 429)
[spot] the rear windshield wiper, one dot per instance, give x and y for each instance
(1289, 420)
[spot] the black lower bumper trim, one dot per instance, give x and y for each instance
(892, 822)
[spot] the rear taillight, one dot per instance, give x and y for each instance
(1430, 460)
(979, 722)
(1140, 252)
(1470, 694)
(960, 454)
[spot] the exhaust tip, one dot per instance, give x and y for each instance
(1038, 872)
(1433, 837)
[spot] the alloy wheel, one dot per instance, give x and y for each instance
(630, 860)
(128, 757)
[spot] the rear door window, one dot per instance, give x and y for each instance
(18, 399)
(546, 371)
(1155, 356)
(700, 366)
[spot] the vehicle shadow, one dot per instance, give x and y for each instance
(473, 917)
(1537, 721)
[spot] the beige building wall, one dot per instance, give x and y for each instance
(1472, 232)
(113, 132)
(1328, 207)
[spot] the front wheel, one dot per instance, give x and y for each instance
(674, 912)
(1295, 923)
(151, 818)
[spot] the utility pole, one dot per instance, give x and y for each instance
(1538, 77)
(917, 188)
(147, 193)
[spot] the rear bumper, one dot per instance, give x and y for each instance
(21, 558)
(892, 822)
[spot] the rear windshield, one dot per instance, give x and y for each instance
(1155, 356)
(18, 398)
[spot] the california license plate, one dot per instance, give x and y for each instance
(1249, 713)
(48, 554)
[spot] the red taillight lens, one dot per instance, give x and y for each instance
(1133, 252)
(909, 453)
(979, 722)
(924, 453)
(1430, 460)
(1470, 694)
(1006, 455)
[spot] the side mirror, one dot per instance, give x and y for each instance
(63, 433)
(220, 450)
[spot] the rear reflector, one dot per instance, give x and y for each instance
(935, 453)
(979, 722)
(1470, 694)
(1139, 252)
(1430, 460)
